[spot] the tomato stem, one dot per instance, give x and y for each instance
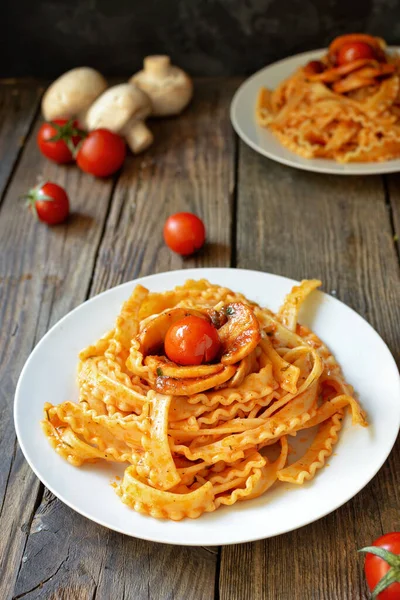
(392, 559)
(392, 576)
(66, 133)
(34, 195)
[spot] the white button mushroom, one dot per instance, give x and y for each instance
(122, 109)
(170, 89)
(71, 94)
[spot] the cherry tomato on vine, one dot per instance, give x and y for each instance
(192, 341)
(382, 567)
(351, 51)
(101, 153)
(58, 139)
(184, 233)
(49, 202)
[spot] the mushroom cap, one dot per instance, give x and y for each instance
(72, 93)
(117, 107)
(169, 88)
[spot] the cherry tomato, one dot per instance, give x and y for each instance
(102, 153)
(184, 233)
(50, 203)
(376, 568)
(58, 139)
(192, 341)
(314, 67)
(351, 51)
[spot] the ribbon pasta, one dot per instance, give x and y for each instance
(196, 438)
(349, 113)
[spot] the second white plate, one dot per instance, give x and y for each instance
(264, 142)
(49, 375)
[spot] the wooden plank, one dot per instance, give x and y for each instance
(191, 167)
(44, 272)
(69, 557)
(18, 105)
(302, 225)
(392, 185)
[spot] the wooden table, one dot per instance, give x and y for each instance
(259, 215)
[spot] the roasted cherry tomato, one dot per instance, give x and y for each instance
(58, 140)
(192, 341)
(351, 51)
(102, 153)
(184, 233)
(377, 568)
(49, 202)
(314, 67)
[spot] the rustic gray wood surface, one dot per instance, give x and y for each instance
(259, 215)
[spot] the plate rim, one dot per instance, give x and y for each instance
(377, 167)
(219, 542)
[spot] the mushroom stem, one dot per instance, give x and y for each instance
(138, 136)
(158, 65)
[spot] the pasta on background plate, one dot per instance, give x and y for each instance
(195, 436)
(345, 106)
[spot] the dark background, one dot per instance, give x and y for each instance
(206, 37)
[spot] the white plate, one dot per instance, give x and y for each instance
(264, 142)
(49, 376)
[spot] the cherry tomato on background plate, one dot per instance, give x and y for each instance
(101, 153)
(184, 233)
(351, 51)
(192, 341)
(58, 139)
(49, 202)
(382, 567)
(314, 67)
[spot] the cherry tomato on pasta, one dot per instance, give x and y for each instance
(351, 51)
(377, 568)
(184, 233)
(314, 67)
(49, 202)
(192, 341)
(102, 153)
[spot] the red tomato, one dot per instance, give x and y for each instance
(102, 153)
(192, 341)
(351, 51)
(58, 139)
(376, 567)
(184, 233)
(314, 67)
(50, 203)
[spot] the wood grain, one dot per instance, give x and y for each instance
(68, 557)
(288, 222)
(44, 272)
(190, 168)
(392, 186)
(338, 229)
(18, 105)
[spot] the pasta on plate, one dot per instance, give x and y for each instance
(345, 106)
(197, 437)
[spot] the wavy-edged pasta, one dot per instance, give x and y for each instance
(197, 437)
(346, 112)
